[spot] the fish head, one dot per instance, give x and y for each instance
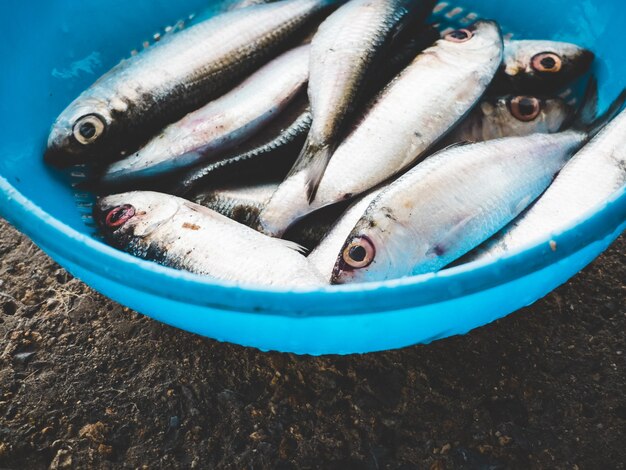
(136, 214)
(524, 114)
(375, 250)
(482, 38)
(545, 65)
(80, 133)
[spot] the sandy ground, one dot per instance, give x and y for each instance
(85, 382)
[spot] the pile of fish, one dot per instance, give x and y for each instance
(306, 142)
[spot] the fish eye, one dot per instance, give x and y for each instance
(459, 35)
(88, 129)
(119, 215)
(525, 108)
(359, 253)
(548, 62)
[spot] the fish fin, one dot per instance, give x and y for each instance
(588, 109)
(292, 246)
(569, 119)
(199, 208)
(462, 143)
(589, 106)
(195, 176)
(601, 121)
(521, 205)
(448, 240)
(444, 148)
(312, 161)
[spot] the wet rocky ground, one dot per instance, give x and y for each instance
(87, 383)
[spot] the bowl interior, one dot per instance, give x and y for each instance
(60, 48)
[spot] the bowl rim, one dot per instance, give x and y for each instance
(56, 237)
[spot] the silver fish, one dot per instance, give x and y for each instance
(178, 74)
(540, 67)
(587, 182)
(509, 116)
(183, 235)
(343, 51)
(449, 204)
(411, 114)
(268, 149)
(272, 151)
(240, 203)
(220, 125)
(324, 256)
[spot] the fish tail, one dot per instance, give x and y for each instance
(587, 121)
(312, 161)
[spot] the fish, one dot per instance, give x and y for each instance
(540, 66)
(242, 203)
(324, 256)
(221, 124)
(585, 184)
(179, 234)
(345, 48)
(453, 201)
(508, 116)
(449, 204)
(270, 150)
(273, 151)
(415, 110)
(177, 75)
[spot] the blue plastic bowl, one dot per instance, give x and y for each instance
(57, 49)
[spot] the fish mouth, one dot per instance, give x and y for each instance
(100, 212)
(59, 158)
(110, 218)
(335, 279)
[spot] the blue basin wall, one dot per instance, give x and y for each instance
(54, 51)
